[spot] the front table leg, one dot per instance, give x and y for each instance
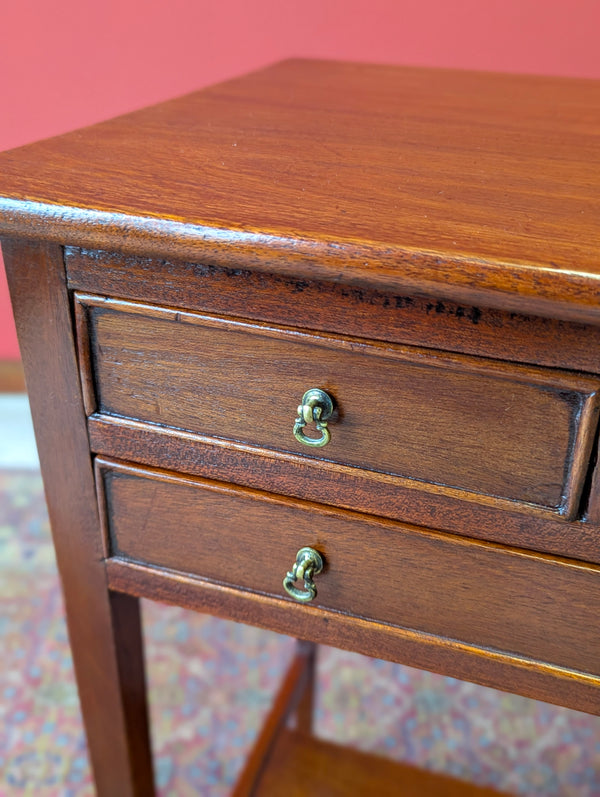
(104, 627)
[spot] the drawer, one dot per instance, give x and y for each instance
(479, 427)
(485, 595)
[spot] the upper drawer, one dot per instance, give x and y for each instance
(482, 427)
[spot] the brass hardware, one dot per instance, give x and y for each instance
(316, 407)
(308, 564)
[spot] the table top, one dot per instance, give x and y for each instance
(474, 186)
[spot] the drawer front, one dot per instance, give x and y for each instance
(482, 427)
(485, 595)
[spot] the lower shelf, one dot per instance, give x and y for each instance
(301, 765)
(294, 763)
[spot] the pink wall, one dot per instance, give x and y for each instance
(70, 63)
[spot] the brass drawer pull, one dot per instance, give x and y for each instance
(308, 564)
(316, 407)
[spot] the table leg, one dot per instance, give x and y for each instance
(306, 704)
(104, 627)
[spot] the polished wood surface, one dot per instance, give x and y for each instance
(428, 239)
(104, 629)
(301, 765)
(575, 689)
(479, 517)
(483, 427)
(487, 596)
(337, 307)
(468, 186)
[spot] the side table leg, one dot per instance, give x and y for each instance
(306, 705)
(285, 704)
(129, 649)
(104, 628)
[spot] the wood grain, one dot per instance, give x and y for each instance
(484, 427)
(480, 517)
(484, 595)
(514, 674)
(347, 213)
(104, 630)
(301, 765)
(474, 187)
(338, 308)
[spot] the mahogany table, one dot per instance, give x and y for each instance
(318, 349)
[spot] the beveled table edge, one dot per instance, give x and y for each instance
(523, 287)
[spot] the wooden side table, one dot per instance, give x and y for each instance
(318, 349)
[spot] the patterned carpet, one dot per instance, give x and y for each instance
(211, 682)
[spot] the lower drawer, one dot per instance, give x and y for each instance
(485, 595)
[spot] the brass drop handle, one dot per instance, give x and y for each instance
(316, 407)
(308, 564)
